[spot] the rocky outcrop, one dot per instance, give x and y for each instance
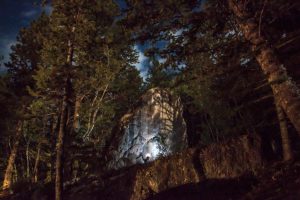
(232, 158)
(226, 160)
(154, 129)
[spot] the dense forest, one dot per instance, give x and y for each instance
(72, 76)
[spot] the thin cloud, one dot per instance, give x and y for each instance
(5, 47)
(162, 60)
(5, 50)
(33, 12)
(29, 13)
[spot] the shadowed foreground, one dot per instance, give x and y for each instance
(279, 181)
(236, 173)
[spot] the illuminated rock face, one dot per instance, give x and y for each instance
(156, 128)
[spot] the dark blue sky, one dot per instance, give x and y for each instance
(15, 14)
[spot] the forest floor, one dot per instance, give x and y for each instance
(276, 181)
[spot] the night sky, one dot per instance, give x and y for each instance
(15, 14)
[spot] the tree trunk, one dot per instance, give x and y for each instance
(36, 164)
(286, 146)
(15, 173)
(27, 160)
(12, 157)
(54, 128)
(285, 91)
(76, 125)
(60, 148)
(63, 124)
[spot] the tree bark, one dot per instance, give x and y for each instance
(36, 164)
(60, 146)
(76, 125)
(12, 157)
(27, 160)
(285, 91)
(63, 124)
(286, 145)
(54, 127)
(15, 179)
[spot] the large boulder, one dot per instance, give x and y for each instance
(223, 161)
(155, 128)
(230, 159)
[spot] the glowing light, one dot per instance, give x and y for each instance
(148, 155)
(155, 150)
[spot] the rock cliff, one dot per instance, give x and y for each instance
(154, 129)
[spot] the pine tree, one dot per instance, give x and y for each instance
(194, 27)
(285, 91)
(82, 54)
(23, 62)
